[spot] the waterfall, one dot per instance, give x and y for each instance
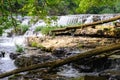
(7, 44)
(84, 18)
(68, 20)
(31, 31)
(89, 19)
(62, 21)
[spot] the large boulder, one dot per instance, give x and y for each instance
(24, 61)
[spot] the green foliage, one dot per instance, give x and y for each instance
(5, 23)
(1, 31)
(41, 47)
(117, 6)
(46, 29)
(43, 8)
(107, 10)
(39, 28)
(86, 6)
(19, 48)
(34, 44)
(21, 29)
(24, 28)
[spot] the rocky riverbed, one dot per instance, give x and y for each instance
(50, 48)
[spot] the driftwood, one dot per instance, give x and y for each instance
(70, 59)
(99, 35)
(86, 25)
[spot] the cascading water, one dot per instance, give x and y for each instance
(31, 31)
(7, 44)
(89, 19)
(69, 71)
(65, 21)
(84, 18)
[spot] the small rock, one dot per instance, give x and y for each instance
(14, 56)
(60, 52)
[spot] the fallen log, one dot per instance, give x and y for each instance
(86, 25)
(70, 59)
(100, 35)
(101, 56)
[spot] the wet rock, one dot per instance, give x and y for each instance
(14, 55)
(42, 58)
(88, 65)
(114, 77)
(23, 61)
(94, 78)
(96, 18)
(59, 52)
(27, 61)
(3, 54)
(42, 76)
(85, 68)
(10, 34)
(70, 53)
(111, 74)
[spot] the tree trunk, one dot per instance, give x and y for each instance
(86, 25)
(70, 59)
(89, 35)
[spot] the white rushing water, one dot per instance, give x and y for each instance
(6, 64)
(68, 71)
(7, 45)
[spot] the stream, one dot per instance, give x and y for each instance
(7, 44)
(6, 64)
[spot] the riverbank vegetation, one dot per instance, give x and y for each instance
(12, 8)
(46, 29)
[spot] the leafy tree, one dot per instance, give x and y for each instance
(43, 8)
(85, 5)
